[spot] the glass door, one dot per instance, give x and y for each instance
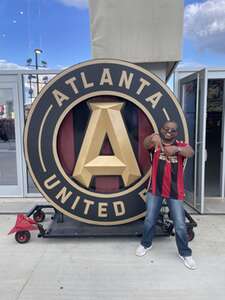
(10, 143)
(222, 174)
(214, 139)
(193, 95)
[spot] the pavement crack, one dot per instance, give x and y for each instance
(30, 276)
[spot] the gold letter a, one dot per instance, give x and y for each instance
(106, 119)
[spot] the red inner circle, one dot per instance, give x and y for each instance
(68, 140)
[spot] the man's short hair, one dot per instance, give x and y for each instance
(170, 122)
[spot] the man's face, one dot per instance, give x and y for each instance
(169, 131)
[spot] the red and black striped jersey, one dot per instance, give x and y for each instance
(167, 178)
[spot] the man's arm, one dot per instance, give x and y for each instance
(185, 151)
(152, 140)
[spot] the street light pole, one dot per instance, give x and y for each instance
(43, 64)
(37, 52)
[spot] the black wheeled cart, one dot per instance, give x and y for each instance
(61, 226)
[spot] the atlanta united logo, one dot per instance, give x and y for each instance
(84, 138)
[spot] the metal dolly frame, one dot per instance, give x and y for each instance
(62, 226)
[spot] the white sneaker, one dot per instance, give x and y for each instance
(189, 262)
(141, 250)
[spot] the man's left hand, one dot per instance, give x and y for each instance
(170, 150)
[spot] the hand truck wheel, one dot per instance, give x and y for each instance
(39, 216)
(22, 237)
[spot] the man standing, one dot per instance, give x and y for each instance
(167, 181)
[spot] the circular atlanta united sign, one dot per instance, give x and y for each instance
(84, 139)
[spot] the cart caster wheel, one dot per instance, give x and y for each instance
(39, 216)
(22, 237)
(191, 234)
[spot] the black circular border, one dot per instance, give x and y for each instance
(45, 96)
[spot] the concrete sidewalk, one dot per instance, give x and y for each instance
(107, 268)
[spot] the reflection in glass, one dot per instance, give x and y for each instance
(189, 92)
(8, 169)
(30, 83)
(213, 136)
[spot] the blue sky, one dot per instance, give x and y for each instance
(61, 28)
(204, 33)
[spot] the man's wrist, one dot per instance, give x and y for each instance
(178, 150)
(155, 139)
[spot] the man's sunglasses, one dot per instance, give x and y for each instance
(172, 130)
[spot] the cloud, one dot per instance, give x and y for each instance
(5, 65)
(190, 64)
(62, 67)
(75, 3)
(204, 23)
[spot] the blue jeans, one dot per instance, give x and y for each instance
(154, 204)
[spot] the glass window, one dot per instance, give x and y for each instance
(32, 84)
(8, 169)
(213, 137)
(189, 92)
